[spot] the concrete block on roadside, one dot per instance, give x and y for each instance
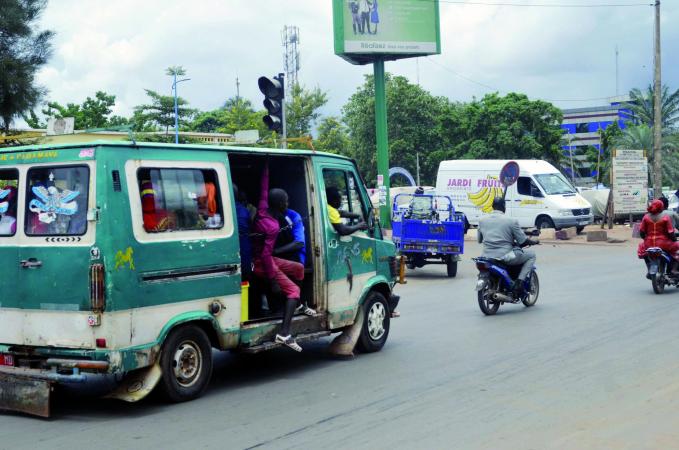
(571, 232)
(561, 235)
(597, 236)
(547, 233)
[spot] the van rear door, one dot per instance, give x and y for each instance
(56, 237)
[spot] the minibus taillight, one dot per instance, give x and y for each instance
(97, 288)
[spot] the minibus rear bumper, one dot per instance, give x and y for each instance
(28, 390)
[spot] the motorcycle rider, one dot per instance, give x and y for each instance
(503, 239)
(657, 230)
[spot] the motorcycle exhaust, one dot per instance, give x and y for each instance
(503, 298)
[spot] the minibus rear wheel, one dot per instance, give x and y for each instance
(376, 321)
(186, 363)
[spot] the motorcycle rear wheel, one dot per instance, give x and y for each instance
(534, 291)
(487, 305)
(658, 283)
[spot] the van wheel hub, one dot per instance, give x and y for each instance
(187, 363)
(376, 317)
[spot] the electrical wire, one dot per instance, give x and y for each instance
(459, 75)
(544, 5)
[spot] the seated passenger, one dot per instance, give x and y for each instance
(207, 207)
(243, 216)
(335, 215)
(155, 220)
(278, 271)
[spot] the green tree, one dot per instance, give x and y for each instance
(642, 103)
(92, 113)
(333, 136)
(160, 112)
(415, 126)
(302, 110)
(23, 50)
(640, 137)
(236, 114)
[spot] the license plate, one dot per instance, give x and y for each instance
(6, 360)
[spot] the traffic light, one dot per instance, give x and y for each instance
(274, 94)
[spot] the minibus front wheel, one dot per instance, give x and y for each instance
(375, 329)
(186, 363)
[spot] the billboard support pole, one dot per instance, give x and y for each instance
(382, 138)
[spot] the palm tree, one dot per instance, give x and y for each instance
(641, 105)
(641, 137)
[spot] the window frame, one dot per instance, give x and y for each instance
(533, 188)
(132, 167)
(26, 211)
(18, 206)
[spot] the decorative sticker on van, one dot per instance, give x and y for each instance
(41, 155)
(367, 255)
(530, 202)
(51, 202)
(124, 258)
(4, 206)
(86, 153)
(484, 197)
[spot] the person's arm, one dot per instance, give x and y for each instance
(349, 215)
(479, 235)
(519, 236)
(642, 228)
(287, 248)
(345, 230)
(264, 189)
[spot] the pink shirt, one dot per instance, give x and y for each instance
(266, 229)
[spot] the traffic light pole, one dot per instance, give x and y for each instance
(382, 143)
(284, 123)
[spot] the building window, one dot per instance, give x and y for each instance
(582, 128)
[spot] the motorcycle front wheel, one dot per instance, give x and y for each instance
(533, 292)
(488, 306)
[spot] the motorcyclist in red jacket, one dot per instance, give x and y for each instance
(657, 230)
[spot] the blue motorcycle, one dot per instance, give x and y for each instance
(494, 285)
(659, 264)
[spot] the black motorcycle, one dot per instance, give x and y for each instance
(659, 264)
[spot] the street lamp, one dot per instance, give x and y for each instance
(176, 115)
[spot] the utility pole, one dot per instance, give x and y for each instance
(617, 92)
(657, 117)
(237, 90)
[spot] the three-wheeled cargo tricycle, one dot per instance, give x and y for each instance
(428, 230)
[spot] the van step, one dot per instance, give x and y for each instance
(303, 337)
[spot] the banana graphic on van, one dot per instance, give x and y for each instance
(483, 199)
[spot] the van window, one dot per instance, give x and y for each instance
(9, 181)
(347, 186)
(526, 186)
(554, 184)
(179, 199)
(56, 201)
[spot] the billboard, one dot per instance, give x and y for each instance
(390, 29)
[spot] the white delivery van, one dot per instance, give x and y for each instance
(542, 197)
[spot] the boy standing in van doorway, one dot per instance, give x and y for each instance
(273, 204)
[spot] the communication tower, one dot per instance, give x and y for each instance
(290, 39)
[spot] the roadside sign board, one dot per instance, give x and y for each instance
(389, 29)
(630, 181)
(509, 173)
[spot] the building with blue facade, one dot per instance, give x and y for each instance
(581, 131)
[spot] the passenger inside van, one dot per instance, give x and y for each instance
(155, 219)
(336, 215)
(280, 272)
(244, 225)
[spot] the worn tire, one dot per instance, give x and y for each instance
(451, 267)
(544, 222)
(487, 307)
(532, 296)
(375, 329)
(658, 283)
(189, 346)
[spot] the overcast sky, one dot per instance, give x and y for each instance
(556, 54)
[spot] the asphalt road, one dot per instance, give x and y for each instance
(592, 365)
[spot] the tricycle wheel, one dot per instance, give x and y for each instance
(451, 266)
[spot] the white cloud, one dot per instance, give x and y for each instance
(125, 46)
